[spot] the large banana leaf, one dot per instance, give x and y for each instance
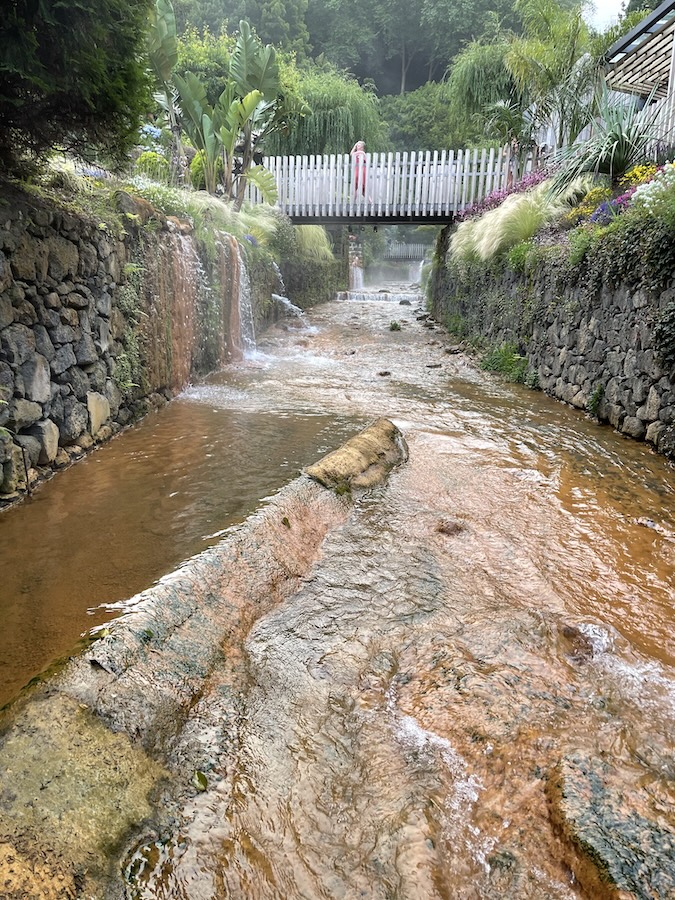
(194, 106)
(264, 180)
(254, 67)
(162, 44)
(244, 110)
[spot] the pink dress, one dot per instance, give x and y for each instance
(359, 159)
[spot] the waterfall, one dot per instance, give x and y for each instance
(415, 272)
(286, 307)
(280, 279)
(239, 332)
(356, 278)
(246, 324)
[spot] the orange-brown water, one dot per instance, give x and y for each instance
(502, 607)
(130, 512)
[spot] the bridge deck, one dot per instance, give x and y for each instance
(415, 187)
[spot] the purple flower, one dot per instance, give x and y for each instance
(251, 239)
(496, 198)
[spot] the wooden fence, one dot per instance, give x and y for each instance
(398, 186)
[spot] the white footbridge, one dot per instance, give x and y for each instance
(425, 187)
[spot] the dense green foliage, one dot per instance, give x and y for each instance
(424, 119)
(206, 55)
(340, 112)
(72, 74)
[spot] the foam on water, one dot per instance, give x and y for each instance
(466, 787)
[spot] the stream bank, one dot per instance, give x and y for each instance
(597, 333)
(109, 307)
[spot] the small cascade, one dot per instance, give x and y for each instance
(405, 297)
(415, 272)
(355, 278)
(172, 278)
(247, 326)
(287, 308)
(280, 279)
(238, 326)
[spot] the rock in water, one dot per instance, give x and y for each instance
(620, 853)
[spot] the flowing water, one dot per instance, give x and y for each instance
(500, 608)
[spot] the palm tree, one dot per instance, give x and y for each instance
(552, 65)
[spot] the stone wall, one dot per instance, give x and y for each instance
(589, 340)
(100, 321)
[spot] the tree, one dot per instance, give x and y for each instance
(343, 33)
(279, 22)
(74, 75)
(339, 112)
(422, 119)
(641, 6)
(207, 56)
(452, 24)
(553, 68)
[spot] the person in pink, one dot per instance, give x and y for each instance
(359, 161)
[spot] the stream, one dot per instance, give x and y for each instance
(495, 620)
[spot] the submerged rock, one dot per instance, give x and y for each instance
(619, 851)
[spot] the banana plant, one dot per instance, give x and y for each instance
(247, 110)
(232, 117)
(201, 124)
(163, 55)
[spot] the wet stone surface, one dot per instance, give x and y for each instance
(467, 689)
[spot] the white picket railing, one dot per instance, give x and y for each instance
(397, 185)
(399, 250)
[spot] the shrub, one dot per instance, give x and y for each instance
(581, 240)
(519, 254)
(496, 198)
(657, 197)
(152, 165)
(506, 361)
(72, 74)
(518, 219)
(197, 176)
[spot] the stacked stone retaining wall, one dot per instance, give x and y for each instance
(100, 321)
(595, 349)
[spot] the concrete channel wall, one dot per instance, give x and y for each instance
(590, 342)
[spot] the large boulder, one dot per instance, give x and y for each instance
(364, 460)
